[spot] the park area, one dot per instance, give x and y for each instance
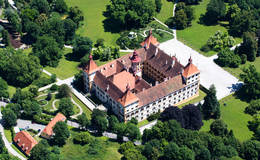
(198, 34)
(232, 113)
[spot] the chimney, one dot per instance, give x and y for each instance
(107, 87)
(156, 51)
(156, 83)
(173, 63)
(165, 79)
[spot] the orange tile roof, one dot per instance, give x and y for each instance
(25, 141)
(190, 69)
(128, 98)
(122, 79)
(48, 129)
(150, 39)
(91, 65)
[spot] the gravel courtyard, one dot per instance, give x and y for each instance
(211, 73)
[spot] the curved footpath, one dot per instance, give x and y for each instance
(7, 144)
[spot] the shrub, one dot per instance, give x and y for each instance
(54, 87)
(220, 41)
(53, 78)
(41, 82)
(49, 96)
(83, 138)
(64, 91)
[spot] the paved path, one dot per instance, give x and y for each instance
(80, 109)
(11, 2)
(147, 126)
(54, 108)
(21, 123)
(211, 73)
(7, 144)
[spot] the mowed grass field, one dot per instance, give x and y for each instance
(198, 34)
(93, 26)
(233, 115)
(166, 11)
(237, 71)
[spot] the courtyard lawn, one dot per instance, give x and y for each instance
(166, 11)
(100, 63)
(198, 34)
(49, 105)
(236, 71)
(66, 68)
(233, 115)
(107, 150)
(195, 100)
(93, 20)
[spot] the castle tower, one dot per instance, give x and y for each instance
(135, 64)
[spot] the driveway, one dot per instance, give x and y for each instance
(24, 123)
(211, 73)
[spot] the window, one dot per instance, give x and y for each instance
(164, 99)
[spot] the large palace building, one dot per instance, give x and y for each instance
(143, 82)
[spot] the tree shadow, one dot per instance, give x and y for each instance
(72, 57)
(111, 25)
(204, 20)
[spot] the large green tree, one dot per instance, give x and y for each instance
(211, 107)
(40, 5)
(40, 151)
(76, 15)
(61, 133)
(218, 128)
(83, 121)
(3, 88)
(251, 88)
(47, 50)
(66, 107)
(216, 9)
(130, 14)
(249, 46)
(9, 118)
(82, 46)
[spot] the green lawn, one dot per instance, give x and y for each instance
(49, 105)
(8, 135)
(86, 110)
(237, 71)
(233, 115)
(93, 17)
(195, 100)
(107, 151)
(166, 11)
(197, 35)
(142, 123)
(66, 68)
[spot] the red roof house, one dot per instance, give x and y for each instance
(48, 132)
(25, 141)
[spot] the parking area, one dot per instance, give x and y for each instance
(211, 73)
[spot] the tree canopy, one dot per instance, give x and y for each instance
(211, 107)
(61, 133)
(66, 107)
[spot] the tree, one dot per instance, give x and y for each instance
(152, 149)
(220, 41)
(180, 20)
(100, 42)
(66, 107)
(249, 46)
(61, 133)
(18, 69)
(216, 9)
(132, 132)
(125, 146)
(192, 117)
(76, 15)
(186, 153)
(6, 38)
(83, 138)
(83, 121)
(31, 108)
(112, 121)
(227, 58)
(171, 151)
(250, 150)
(3, 88)
(60, 6)
(211, 107)
(100, 123)
(14, 19)
(120, 129)
(129, 14)
(158, 4)
(64, 91)
(9, 118)
(82, 46)
(2, 145)
(47, 50)
(40, 151)
(134, 121)
(16, 108)
(133, 154)
(69, 28)
(40, 5)
(253, 108)
(218, 128)
(251, 88)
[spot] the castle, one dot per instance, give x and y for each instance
(143, 82)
